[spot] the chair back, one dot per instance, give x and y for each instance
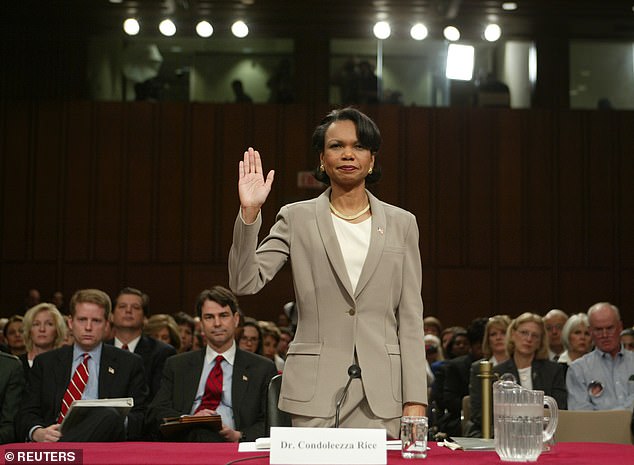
(612, 426)
(466, 414)
(275, 416)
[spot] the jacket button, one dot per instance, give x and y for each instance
(351, 311)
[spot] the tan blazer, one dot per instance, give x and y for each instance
(382, 321)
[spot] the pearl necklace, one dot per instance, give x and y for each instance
(354, 216)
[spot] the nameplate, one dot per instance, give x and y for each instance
(328, 446)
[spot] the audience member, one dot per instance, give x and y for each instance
(494, 342)
(12, 383)
(627, 338)
(576, 338)
(452, 383)
(244, 377)
(458, 345)
(270, 342)
(32, 298)
(367, 83)
(283, 321)
(602, 379)
(447, 335)
(59, 376)
(186, 329)
(130, 308)
(57, 299)
(238, 91)
(44, 330)
(286, 337)
(281, 83)
(554, 321)
(163, 327)
(527, 346)
(3, 341)
(14, 335)
(432, 325)
(250, 336)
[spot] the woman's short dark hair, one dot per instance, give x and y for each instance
(367, 132)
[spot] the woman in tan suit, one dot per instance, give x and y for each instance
(357, 278)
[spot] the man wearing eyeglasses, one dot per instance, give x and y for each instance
(604, 378)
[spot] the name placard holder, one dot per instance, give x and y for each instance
(328, 446)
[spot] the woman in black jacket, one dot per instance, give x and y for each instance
(527, 345)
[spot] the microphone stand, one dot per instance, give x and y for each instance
(354, 371)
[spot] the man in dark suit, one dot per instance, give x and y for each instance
(245, 377)
(11, 387)
(108, 373)
(130, 308)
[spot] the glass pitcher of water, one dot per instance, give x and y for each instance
(518, 421)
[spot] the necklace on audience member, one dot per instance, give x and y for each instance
(354, 216)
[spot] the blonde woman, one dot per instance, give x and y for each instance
(163, 327)
(44, 330)
(527, 346)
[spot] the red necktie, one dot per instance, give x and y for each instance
(213, 387)
(75, 388)
(125, 347)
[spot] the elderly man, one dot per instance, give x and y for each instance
(554, 321)
(603, 378)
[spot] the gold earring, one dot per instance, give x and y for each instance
(370, 170)
(321, 168)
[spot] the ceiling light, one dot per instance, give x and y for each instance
(460, 59)
(204, 29)
(451, 33)
(167, 27)
(131, 26)
(382, 30)
(509, 6)
(418, 31)
(492, 32)
(240, 29)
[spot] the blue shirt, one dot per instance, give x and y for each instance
(597, 381)
(92, 387)
(225, 409)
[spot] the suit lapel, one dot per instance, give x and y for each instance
(378, 232)
(239, 383)
(62, 374)
(329, 239)
(192, 379)
(108, 366)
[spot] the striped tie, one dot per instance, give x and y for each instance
(213, 387)
(75, 388)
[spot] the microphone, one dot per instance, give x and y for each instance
(354, 371)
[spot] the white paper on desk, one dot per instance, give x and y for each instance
(265, 443)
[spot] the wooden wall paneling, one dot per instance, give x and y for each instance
(79, 194)
(48, 135)
(161, 281)
(388, 119)
(173, 149)
(480, 184)
(198, 277)
(572, 196)
(602, 189)
(524, 290)
(540, 190)
(463, 294)
(137, 176)
(449, 172)
(583, 287)
(233, 136)
(269, 138)
(90, 275)
(106, 179)
(625, 175)
(510, 189)
(16, 181)
(625, 301)
(18, 277)
(202, 231)
(295, 154)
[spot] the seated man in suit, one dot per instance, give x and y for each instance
(130, 308)
(88, 369)
(11, 387)
(202, 383)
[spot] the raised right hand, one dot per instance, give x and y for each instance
(253, 189)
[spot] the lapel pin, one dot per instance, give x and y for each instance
(244, 378)
(111, 370)
(380, 230)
